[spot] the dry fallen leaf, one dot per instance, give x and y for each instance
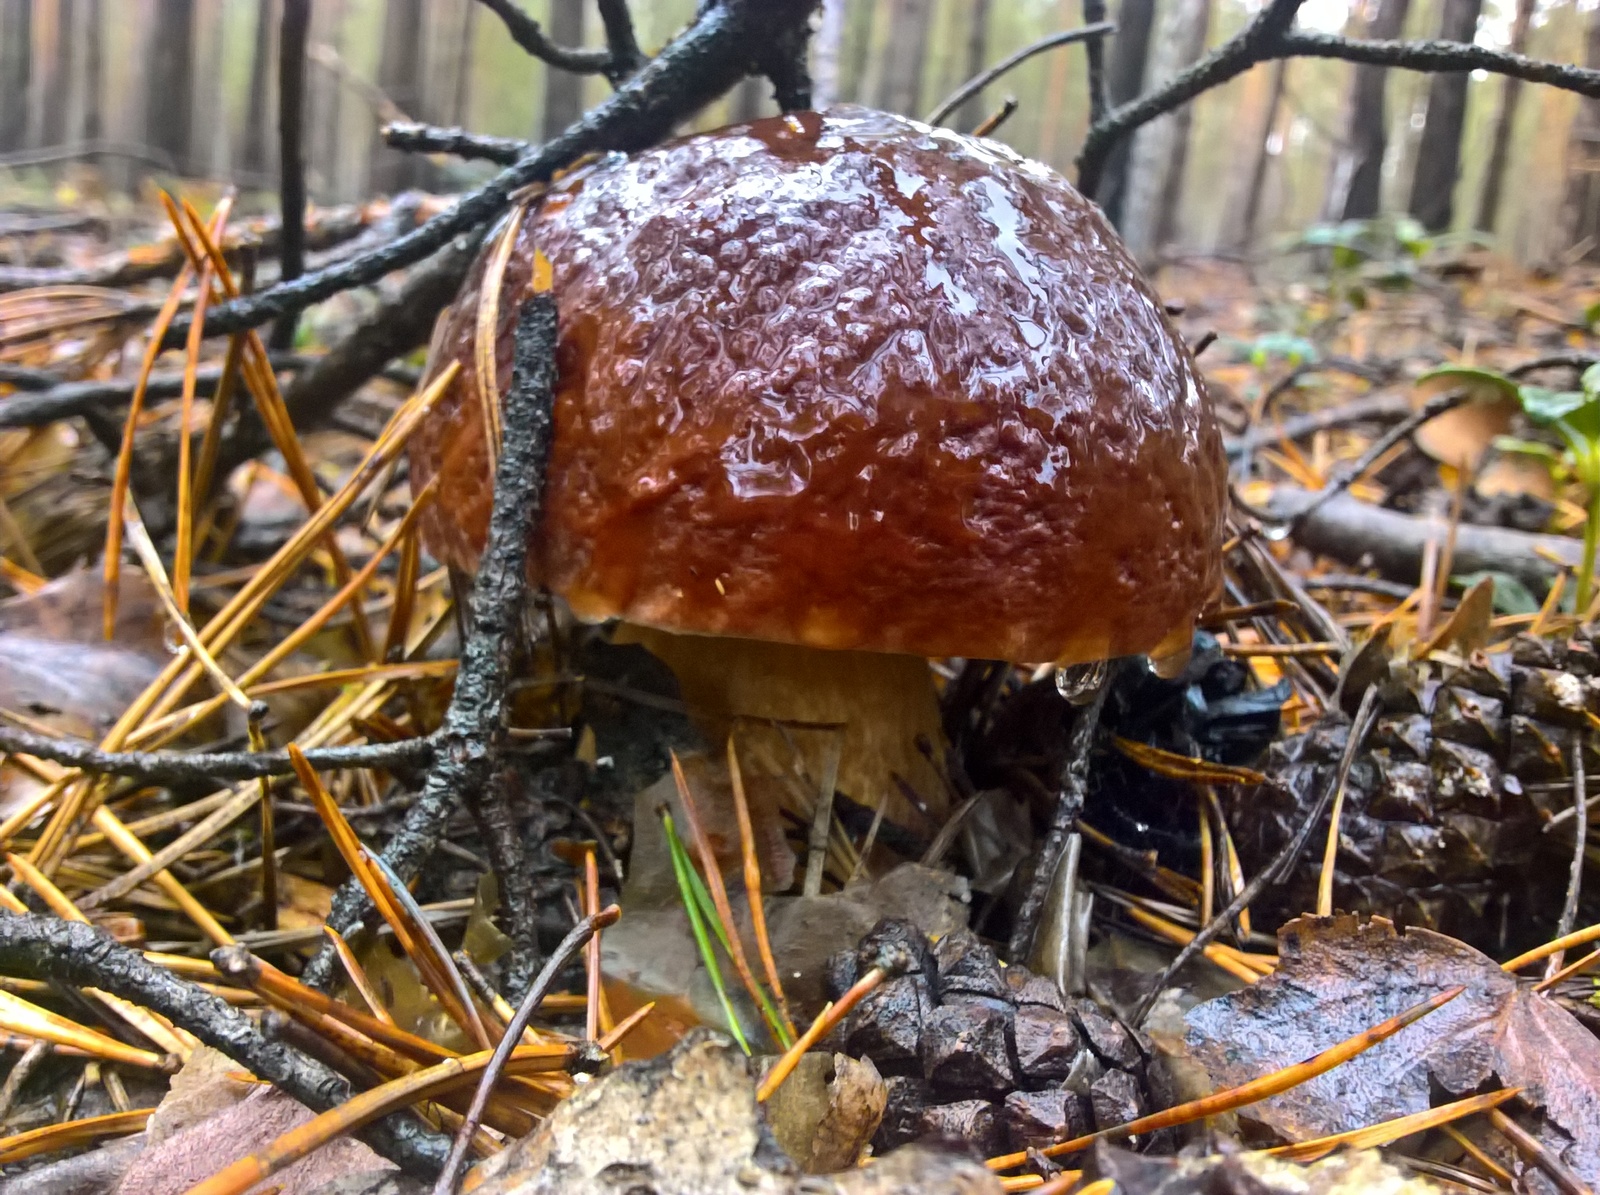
(827, 1110)
(1338, 975)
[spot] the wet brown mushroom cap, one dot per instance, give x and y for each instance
(844, 381)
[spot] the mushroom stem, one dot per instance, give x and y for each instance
(799, 713)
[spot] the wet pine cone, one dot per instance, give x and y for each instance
(993, 1057)
(1446, 799)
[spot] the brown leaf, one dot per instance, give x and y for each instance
(827, 1110)
(1338, 976)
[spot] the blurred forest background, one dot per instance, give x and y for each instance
(100, 96)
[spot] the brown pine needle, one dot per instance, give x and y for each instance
(183, 553)
(1181, 767)
(263, 385)
(752, 887)
(1251, 1092)
(130, 845)
(71, 1134)
(19, 1016)
(1392, 1130)
(1534, 1150)
(357, 974)
(719, 893)
(1579, 937)
(1567, 972)
(819, 1029)
(221, 405)
(123, 473)
(1247, 650)
(1473, 1151)
(486, 375)
(1181, 936)
(428, 953)
(597, 1015)
(362, 1109)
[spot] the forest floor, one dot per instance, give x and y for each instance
(1391, 713)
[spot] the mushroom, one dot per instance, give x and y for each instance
(840, 392)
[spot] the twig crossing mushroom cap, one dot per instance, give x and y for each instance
(846, 381)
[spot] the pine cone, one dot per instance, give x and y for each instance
(1445, 800)
(993, 1057)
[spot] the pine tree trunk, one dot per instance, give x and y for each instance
(1580, 213)
(563, 91)
(16, 71)
(1504, 124)
(400, 78)
(1439, 152)
(827, 53)
(1263, 159)
(253, 154)
(1356, 177)
(57, 125)
(92, 126)
(461, 93)
(900, 81)
(169, 81)
(1125, 73)
(1156, 161)
(972, 113)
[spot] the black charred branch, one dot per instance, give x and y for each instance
(719, 49)
(294, 26)
(1269, 36)
(470, 745)
(63, 400)
(528, 34)
(410, 136)
(185, 767)
(49, 948)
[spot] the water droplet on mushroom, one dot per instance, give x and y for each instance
(1078, 682)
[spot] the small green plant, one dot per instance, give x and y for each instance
(1574, 415)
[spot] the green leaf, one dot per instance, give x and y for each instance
(1591, 315)
(1591, 381)
(1544, 405)
(1511, 596)
(1484, 384)
(1522, 447)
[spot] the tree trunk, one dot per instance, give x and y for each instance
(93, 122)
(749, 100)
(461, 94)
(563, 90)
(1264, 155)
(1356, 176)
(168, 69)
(900, 79)
(1504, 123)
(971, 113)
(1156, 161)
(400, 78)
(16, 71)
(1580, 212)
(827, 53)
(254, 158)
(1439, 151)
(57, 125)
(1130, 48)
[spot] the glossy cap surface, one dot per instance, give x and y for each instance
(845, 381)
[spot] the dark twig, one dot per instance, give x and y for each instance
(1069, 807)
(1575, 361)
(468, 759)
(1347, 476)
(50, 948)
(528, 34)
(626, 57)
(1238, 54)
(183, 767)
(1440, 56)
(295, 25)
(1094, 12)
(1280, 866)
(1580, 810)
(63, 400)
(575, 940)
(988, 126)
(1092, 33)
(412, 137)
(1269, 36)
(700, 64)
(1371, 408)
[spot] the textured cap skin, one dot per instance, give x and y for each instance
(845, 381)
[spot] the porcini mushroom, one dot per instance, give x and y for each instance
(840, 392)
